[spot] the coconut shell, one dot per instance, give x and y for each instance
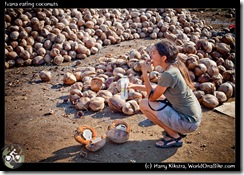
(115, 103)
(77, 85)
(83, 103)
(118, 134)
(210, 101)
(221, 96)
(74, 98)
(79, 134)
(199, 94)
(95, 145)
(207, 87)
(76, 91)
(45, 75)
(69, 78)
(130, 107)
(104, 94)
(227, 88)
(115, 123)
(97, 103)
(97, 84)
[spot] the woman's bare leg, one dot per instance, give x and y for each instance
(152, 115)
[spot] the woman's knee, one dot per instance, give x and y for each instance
(143, 103)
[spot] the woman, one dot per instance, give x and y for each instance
(184, 113)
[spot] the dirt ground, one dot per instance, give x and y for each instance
(38, 118)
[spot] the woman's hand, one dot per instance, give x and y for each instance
(146, 66)
(131, 86)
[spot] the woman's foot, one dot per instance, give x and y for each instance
(166, 134)
(169, 141)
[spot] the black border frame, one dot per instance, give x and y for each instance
(139, 167)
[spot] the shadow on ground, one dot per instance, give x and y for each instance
(128, 152)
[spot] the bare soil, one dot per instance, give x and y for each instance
(38, 118)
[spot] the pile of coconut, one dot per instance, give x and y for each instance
(52, 36)
(92, 88)
(37, 36)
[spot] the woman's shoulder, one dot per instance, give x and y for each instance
(173, 71)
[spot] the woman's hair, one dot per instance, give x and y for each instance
(169, 49)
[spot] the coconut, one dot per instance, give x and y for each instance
(115, 103)
(87, 136)
(227, 88)
(96, 143)
(221, 96)
(130, 107)
(77, 85)
(97, 84)
(118, 131)
(69, 78)
(83, 103)
(45, 75)
(104, 94)
(84, 134)
(76, 91)
(210, 101)
(199, 94)
(74, 98)
(97, 103)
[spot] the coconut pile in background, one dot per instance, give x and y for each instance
(53, 36)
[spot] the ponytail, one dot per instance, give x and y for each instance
(185, 73)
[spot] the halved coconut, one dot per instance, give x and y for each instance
(118, 132)
(84, 134)
(96, 144)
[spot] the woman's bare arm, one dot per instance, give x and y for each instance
(140, 87)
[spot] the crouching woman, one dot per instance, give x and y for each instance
(180, 111)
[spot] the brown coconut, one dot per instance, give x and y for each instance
(199, 94)
(221, 96)
(210, 101)
(76, 91)
(96, 143)
(69, 78)
(115, 103)
(97, 103)
(74, 98)
(118, 131)
(97, 84)
(207, 87)
(227, 88)
(105, 94)
(83, 103)
(45, 75)
(130, 107)
(77, 85)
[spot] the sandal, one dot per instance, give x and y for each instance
(175, 144)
